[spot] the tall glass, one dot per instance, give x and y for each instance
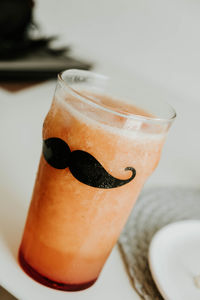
(99, 147)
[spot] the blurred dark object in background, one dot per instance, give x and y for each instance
(22, 56)
(15, 19)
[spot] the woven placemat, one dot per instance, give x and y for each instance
(154, 209)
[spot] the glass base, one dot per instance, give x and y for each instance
(50, 283)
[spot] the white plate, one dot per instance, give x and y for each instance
(21, 118)
(174, 259)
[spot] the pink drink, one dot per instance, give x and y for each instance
(75, 216)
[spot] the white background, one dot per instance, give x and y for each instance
(157, 40)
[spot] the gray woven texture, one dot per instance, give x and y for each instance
(154, 209)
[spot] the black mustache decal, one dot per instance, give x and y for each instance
(83, 166)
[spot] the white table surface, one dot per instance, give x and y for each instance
(130, 39)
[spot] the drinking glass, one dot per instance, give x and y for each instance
(101, 142)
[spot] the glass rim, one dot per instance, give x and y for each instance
(101, 106)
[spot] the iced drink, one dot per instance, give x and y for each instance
(97, 154)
